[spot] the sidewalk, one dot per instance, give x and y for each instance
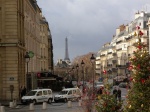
(7, 102)
(50, 108)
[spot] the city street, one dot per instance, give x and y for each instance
(55, 107)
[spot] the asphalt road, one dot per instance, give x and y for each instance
(55, 107)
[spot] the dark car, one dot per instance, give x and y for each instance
(119, 79)
(123, 85)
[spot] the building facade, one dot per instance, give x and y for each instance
(114, 57)
(20, 32)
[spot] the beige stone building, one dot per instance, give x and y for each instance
(114, 56)
(21, 24)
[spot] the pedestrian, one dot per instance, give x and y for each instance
(119, 94)
(100, 91)
(23, 92)
(20, 92)
(115, 93)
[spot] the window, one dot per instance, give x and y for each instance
(39, 93)
(70, 92)
(49, 92)
(74, 91)
(45, 92)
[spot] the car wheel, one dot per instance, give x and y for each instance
(65, 100)
(56, 101)
(49, 100)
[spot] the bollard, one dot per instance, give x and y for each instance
(80, 103)
(2, 109)
(53, 100)
(44, 105)
(69, 104)
(31, 107)
(14, 103)
(11, 105)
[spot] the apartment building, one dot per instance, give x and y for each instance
(20, 32)
(114, 57)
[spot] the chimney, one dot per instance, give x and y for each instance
(117, 31)
(122, 27)
(136, 15)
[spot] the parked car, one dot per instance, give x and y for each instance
(117, 80)
(98, 85)
(68, 94)
(38, 95)
(123, 85)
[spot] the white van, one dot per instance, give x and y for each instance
(68, 94)
(38, 95)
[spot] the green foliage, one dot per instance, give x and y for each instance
(138, 98)
(108, 103)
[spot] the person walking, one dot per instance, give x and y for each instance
(115, 93)
(119, 94)
(23, 92)
(20, 92)
(100, 91)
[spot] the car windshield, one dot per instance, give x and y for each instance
(63, 92)
(31, 93)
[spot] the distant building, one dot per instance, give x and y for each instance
(114, 56)
(62, 64)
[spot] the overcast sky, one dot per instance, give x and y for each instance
(88, 24)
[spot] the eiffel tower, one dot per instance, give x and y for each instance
(66, 51)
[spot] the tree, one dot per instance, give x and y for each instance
(138, 98)
(87, 67)
(107, 102)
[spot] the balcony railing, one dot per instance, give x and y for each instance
(102, 55)
(109, 53)
(130, 37)
(121, 66)
(119, 49)
(114, 61)
(118, 42)
(109, 65)
(114, 70)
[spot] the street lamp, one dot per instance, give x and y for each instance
(73, 73)
(77, 67)
(117, 76)
(93, 62)
(82, 64)
(27, 58)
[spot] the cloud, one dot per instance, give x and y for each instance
(88, 24)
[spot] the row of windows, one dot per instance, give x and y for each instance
(45, 92)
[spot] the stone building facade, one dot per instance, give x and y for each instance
(114, 57)
(20, 32)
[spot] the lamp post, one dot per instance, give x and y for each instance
(27, 58)
(117, 75)
(77, 67)
(73, 73)
(93, 62)
(82, 64)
